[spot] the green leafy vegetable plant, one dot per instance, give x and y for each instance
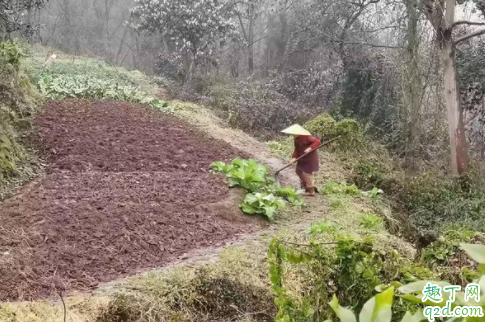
(57, 87)
(246, 174)
(264, 195)
(288, 193)
(262, 203)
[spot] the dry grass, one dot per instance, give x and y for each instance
(79, 309)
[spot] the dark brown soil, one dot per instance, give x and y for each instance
(128, 189)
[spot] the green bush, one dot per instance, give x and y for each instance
(11, 52)
(367, 175)
(380, 308)
(323, 126)
(445, 248)
(351, 271)
(326, 127)
(434, 202)
(17, 105)
(256, 106)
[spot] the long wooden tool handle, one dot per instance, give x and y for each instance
(304, 155)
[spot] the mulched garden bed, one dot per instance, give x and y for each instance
(125, 191)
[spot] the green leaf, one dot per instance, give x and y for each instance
(418, 299)
(270, 212)
(247, 209)
(378, 308)
(417, 317)
(476, 252)
(419, 285)
(344, 314)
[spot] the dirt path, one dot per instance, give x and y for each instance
(208, 123)
(127, 190)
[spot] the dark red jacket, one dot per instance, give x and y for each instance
(310, 163)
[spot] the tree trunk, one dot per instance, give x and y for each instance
(107, 8)
(412, 89)
(458, 144)
(251, 38)
(121, 44)
(189, 65)
(69, 33)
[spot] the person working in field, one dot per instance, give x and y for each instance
(305, 143)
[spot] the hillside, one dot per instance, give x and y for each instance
(127, 223)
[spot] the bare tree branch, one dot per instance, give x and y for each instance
(242, 27)
(470, 35)
(465, 22)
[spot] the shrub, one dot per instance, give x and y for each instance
(257, 107)
(11, 52)
(433, 202)
(17, 104)
(322, 228)
(367, 175)
(323, 126)
(349, 131)
(351, 271)
(380, 307)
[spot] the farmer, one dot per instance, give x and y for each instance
(304, 143)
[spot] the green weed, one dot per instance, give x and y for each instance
(372, 222)
(445, 248)
(322, 227)
(332, 187)
(351, 270)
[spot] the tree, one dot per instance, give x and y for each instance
(194, 28)
(441, 15)
(413, 86)
(12, 13)
(249, 10)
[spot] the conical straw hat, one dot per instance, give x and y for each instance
(296, 130)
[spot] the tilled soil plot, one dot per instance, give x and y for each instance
(126, 191)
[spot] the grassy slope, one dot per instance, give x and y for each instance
(19, 100)
(182, 292)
